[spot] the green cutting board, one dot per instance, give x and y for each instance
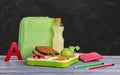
(35, 31)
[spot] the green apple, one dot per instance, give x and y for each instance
(67, 52)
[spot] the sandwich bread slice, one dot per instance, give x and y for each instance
(44, 52)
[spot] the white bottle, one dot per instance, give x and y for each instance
(58, 40)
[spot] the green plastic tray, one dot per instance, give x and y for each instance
(52, 63)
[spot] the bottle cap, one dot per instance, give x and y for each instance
(58, 19)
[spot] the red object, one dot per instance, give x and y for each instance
(13, 51)
(101, 66)
(90, 56)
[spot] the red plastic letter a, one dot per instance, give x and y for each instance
(13, 51)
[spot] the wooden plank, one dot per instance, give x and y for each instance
(20, 68)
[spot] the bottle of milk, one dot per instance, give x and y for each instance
(58, 40)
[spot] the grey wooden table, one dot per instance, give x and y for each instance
(20, 68)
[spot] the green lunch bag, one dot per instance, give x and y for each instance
(35, 31)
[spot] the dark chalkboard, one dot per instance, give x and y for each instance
(91, 24)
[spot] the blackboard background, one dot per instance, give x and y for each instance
(91, 24)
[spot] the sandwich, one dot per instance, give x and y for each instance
(44, 52)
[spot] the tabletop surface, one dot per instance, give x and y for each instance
(15, 67)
